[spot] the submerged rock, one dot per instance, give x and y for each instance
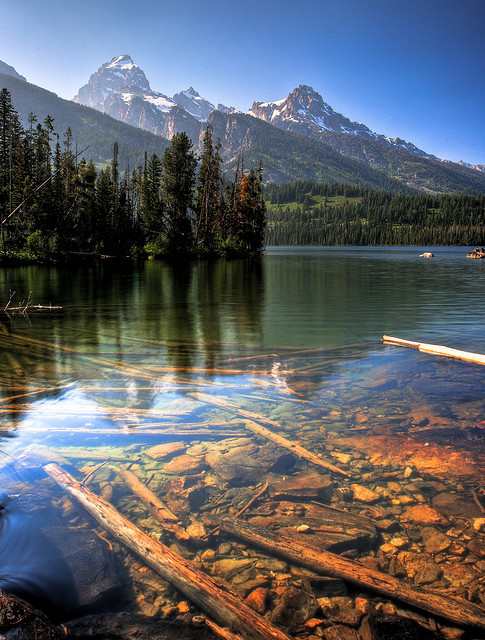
(126, 626)
(19, 621)
(309, 485)
(422, 514)
(294, 608)
(241, 461)
(377, 627)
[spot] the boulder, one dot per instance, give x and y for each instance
(164, 450)
(479, 252)
(126, 626)
(19, 621)
(384, 627)
(308, 484)
(241, 461)
(422, 514)
(294, 608)
(184, 465)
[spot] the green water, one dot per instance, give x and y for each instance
(295, 337)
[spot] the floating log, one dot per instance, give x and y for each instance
(253, 425)
(157, 508)
(456, 610)
(437, 349)
(220, 603)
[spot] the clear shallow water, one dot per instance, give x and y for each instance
(294, 337)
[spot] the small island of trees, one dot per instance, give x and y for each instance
(51, 204)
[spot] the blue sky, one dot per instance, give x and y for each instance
(409, 69)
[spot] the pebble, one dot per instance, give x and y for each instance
(479, 524)
(303, 528)
(183, 465)
(435, 541)
(257, 599)
(363, 494)
(422, 514)
(160, 451)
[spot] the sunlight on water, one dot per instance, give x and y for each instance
(165, 372)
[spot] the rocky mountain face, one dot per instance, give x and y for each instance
(304, 111)
(300, 137)
(476, 167)
(7, 70)
(121, 89)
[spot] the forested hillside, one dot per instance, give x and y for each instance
(304, 213)
(55, 203)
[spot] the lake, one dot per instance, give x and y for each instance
(164, 371)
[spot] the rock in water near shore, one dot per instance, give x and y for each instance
(19, 621)
(377, 627)
(126, 626)
(479, 252)
(58, 569)
(96, 581)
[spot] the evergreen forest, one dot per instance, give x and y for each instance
(55, 202)
(306, 213)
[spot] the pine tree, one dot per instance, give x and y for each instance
(210, 202)
(178, 182)
(151, 205)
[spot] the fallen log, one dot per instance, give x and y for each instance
(456, 610)
(436, 349)
(253, 425)
(156, 507)
(134, 431)
(220, 603)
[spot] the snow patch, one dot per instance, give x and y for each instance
(162, 103)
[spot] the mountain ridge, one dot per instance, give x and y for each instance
(321, 154)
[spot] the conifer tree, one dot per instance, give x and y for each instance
(151, 206)
(210, 202)
(178, 182)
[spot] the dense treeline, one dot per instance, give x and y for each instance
(303, 213)
(51, 202)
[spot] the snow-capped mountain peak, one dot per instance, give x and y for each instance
(192, 102)
(118, 75)
(304, 111)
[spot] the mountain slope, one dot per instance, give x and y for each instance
(7, 70)
(89, 127)
(286, 154)
(304, 111)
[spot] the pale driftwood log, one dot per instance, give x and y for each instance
(220, 603)
(253, 424)
(455, 610)
(157, 508)
(437, 349)
(132, 432)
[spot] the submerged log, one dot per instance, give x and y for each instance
(460, 612)
(216, 600)
(436, 349)
(253, 424)
(156, 507)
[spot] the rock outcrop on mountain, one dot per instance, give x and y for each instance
(121, 89)
(304, 111)
(7, 70)
(191, 101)
(300, 137)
